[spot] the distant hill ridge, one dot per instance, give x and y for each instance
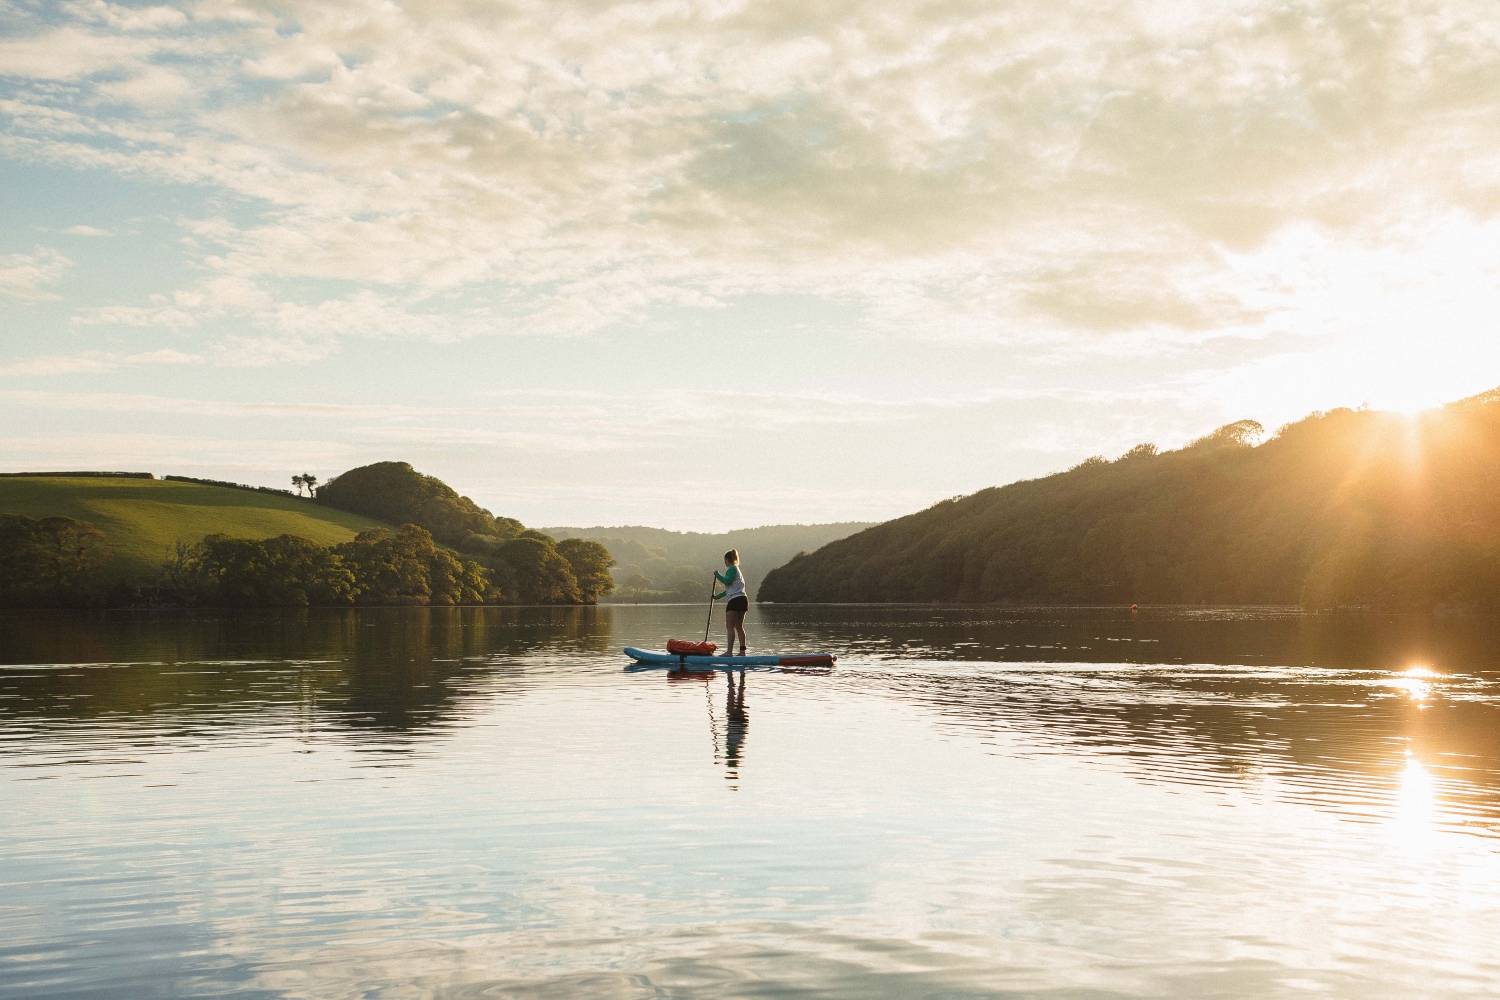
(667, 559)
(1341, 508)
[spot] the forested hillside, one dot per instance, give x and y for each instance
(657, 561)
(1346, 507)
(518, 564)
(120, 540)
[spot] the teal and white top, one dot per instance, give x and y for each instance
(733, 581)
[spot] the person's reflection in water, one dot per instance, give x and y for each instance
(736, 725)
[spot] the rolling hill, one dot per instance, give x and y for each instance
(143, 519)
(1348, 507)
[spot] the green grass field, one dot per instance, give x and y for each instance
(144, 518)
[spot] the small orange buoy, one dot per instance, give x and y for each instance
(1134, 609)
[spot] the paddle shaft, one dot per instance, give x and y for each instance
(708, 624)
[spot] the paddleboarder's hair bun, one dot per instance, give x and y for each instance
(732, 556)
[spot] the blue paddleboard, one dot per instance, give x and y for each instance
(653, 658)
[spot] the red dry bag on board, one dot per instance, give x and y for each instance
(682, 647)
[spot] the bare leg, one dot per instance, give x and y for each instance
(734, 625)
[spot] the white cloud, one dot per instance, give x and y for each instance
(25, 276)
(57, 365)
(152, 86)
(1001, 172)
(1263, 208)
(126, 18)
(367, 314)
(70, 52)
(158, 314)
(258, 352)
(96, 361)
(177, 454)
(163, 356)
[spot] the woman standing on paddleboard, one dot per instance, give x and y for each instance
(734, 589)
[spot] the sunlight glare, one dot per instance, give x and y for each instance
(1412, 440)
(1413, 824)
(1416, 682)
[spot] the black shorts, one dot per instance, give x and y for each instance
(740, 604)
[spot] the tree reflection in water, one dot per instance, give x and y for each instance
(398, 673)
(1344, 711)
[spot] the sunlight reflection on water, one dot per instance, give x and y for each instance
(974, 802)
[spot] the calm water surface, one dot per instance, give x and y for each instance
(973, 803)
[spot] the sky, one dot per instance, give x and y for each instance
(706, 265)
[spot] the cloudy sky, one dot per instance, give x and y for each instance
(716, 263)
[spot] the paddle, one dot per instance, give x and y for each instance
(709, 623)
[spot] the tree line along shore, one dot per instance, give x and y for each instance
(1344, 508)
(382, 534)
(1348, 507)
